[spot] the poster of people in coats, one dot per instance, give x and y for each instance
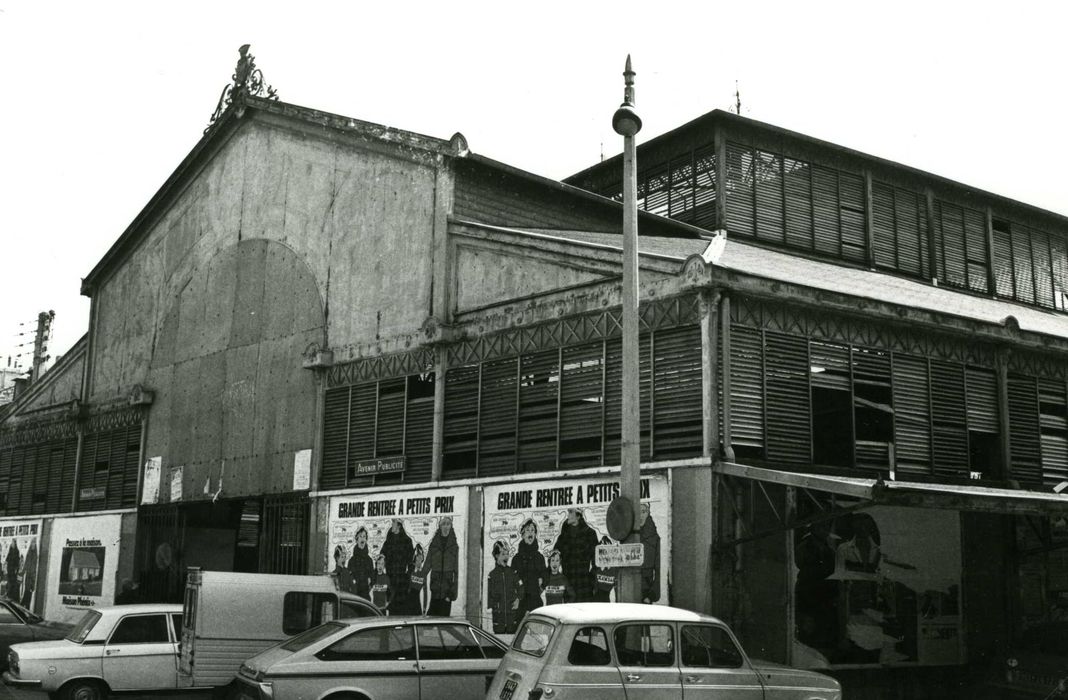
(868, 591)
(402, 549)
(20, 542)
(540, 539)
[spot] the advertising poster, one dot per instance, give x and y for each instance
(403, 550)
(868, 590)
(20, 542)
(540, 539)
(83, 557)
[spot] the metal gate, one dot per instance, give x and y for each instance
(160, 545)
(284, 534)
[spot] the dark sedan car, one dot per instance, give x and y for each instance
(17, 624)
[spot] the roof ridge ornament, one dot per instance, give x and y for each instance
(246, 81)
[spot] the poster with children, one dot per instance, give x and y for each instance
(20, 542)
(540, 540)
(403, 550)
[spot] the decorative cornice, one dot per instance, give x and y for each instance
(247, 80)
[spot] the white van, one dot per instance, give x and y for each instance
(229, 617)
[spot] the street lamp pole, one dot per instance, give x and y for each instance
(627, 123)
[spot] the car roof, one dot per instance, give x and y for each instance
(402, 620)
(139, 608)
(581, 613)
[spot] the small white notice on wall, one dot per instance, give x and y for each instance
(302, 470)
(176, 483)
(150, 492)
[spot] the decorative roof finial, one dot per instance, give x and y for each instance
(247, 80)
(626, 121)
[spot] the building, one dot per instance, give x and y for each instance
(324, 341)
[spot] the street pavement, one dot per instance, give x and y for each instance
(9, 693)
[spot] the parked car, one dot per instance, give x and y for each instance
(17, 624)
(594, 651)
(229, 617)
(119, 648)
(1037, 666)
(393, 658)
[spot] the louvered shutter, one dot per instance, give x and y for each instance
(825, 210)
(912, 415)
(975, 243)
(132, 467)
(539, 375)
(786, 369)
(949, 244)
(389, 438)
(982, 400)
(335, 438)
(769, 197)
(497, 418)
(362, 420)
(418, 434)
(1024, 440)
(884, 229)
(949, 416)
(6, 454)
(1059, 264)
(461, 422)
(581, 405)
(1003, 267)
(613, 396)
(705, 188)
(1021, 264)
(657, 189)
(909, 214)
(740, 192)
(851, 215)
(680, 199)
(1040, 252)
(873, 408)
(677, 411)
(798, 204)
(747, 387)
(1054, 430)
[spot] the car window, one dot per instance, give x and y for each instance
(306, 639)
(491, 648)
(7, 617)
(84, 627)
(533, 637)
(24, 613)
(301, 611)
(141, 629)
(446, 642)
(176, 623)
(589, 648)
(707, 646)
(374, 644)
(351, 608)
(645, 645)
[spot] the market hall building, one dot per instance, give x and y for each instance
(326, 343)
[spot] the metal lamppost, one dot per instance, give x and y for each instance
(627, 123)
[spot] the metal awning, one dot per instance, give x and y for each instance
(858, 493)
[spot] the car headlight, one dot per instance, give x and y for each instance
(13, 661)
(255, 674)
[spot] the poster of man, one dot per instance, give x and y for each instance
(867, 592)
(19, 546)
(405, 541)
(550, 530)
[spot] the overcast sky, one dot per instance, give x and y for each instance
(102, 100)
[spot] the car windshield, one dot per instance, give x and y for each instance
(84, 626)
(305, 639)
(30, 617)
(533, 637)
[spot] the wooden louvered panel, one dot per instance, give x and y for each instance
(1024, 440)
(1023, 272)
(769, 197)
(825, 211)
(912, 414)
(884, 227)
(497, 417)
(6, 454)
(909, 215)
(949, 245)
(1040, 253)
(851, 217)
(1003, 275)
(1053, 419)
(131, 470)
(680, 194)
(677, 427)
(705, 188)
(460, 431)
(61, 488)
(657, 188)
(975, 244)
(581, 405)
(747, 387)
(645, 392)
(1059, 264)
(613, 396)
(419, 440)
(830, 365)
(798, 203)
(982, 388)
(389, 438)
(786, 365)
(538, 386)
(740, 190)
(335, 438)
(361, 437)
(1054, 459)
(949, 416)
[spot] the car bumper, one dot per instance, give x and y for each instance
(20, 682)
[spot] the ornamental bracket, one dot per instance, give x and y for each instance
(246, 81)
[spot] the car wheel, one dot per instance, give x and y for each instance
(83, 690)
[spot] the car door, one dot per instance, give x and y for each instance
(713, 666)
(451, 662)
(13, 629)
(589, 673)
(647, 665)
(140, 653)
(378, 662)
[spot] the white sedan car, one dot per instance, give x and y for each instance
(122, 648)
